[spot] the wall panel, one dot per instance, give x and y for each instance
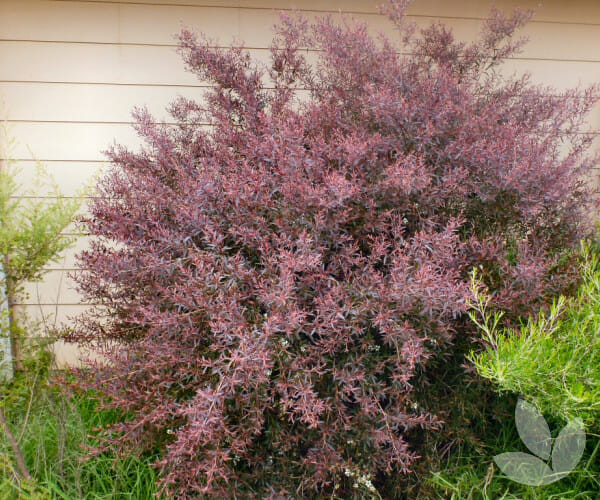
(71, 71)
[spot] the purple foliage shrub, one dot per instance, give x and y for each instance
(269, 288)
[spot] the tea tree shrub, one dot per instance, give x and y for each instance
(271, 289)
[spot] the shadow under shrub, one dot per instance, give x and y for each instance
(275, 292)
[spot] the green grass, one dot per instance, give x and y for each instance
(54, 429)
(471, 474)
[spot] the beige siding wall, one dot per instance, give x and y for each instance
(70, 72)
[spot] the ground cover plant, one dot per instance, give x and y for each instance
(280, 283)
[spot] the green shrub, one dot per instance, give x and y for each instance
(32, 234)
(553, 359)
(51, 428)
(33, 220)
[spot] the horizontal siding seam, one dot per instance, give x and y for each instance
(318, 11)
(259, 49)
(116, 84)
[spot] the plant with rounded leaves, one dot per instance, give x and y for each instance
(283, 277)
